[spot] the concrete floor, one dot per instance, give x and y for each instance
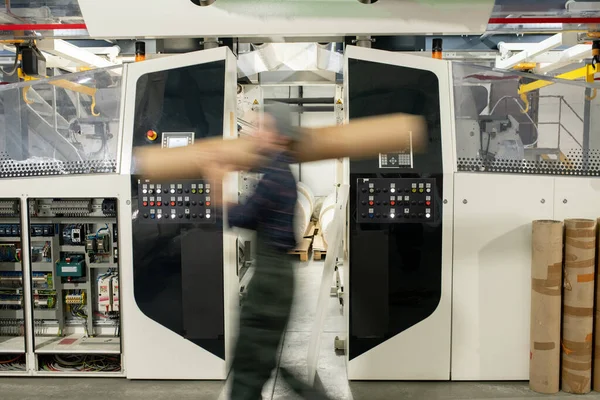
(293, 356)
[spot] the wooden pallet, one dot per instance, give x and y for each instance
(319, 248)
(303, 249)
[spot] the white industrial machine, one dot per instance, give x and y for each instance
(105, 242)
(120, 270)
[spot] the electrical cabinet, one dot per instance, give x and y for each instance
(76, 326)
(12, 300)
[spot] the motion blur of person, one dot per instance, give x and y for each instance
(268, 302)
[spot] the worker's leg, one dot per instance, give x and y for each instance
(263, 319)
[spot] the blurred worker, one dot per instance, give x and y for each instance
(266, 308)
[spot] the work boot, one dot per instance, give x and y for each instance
(302, 389)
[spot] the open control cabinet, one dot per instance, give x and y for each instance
(12, 322)
(75, 293)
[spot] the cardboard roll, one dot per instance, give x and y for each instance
(304, 210)
(362, 138)
(326, 216)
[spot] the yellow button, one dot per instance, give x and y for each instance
(414, 190)
(421, 190)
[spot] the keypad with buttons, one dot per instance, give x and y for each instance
(185, 201)
(395, 200)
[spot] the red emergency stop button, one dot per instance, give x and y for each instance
(427, 203)
(145, 204)
(151, 135)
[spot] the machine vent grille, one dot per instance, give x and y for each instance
(15, 169)
(576, 163)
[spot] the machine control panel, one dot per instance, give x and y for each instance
(396, 160)
(184, 201)
(396, 200)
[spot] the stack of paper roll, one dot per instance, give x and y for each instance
(326, 216)
(304, 210)
(546, 289)
(578, 307)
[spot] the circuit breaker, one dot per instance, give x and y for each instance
(176, 202)
(396, 200)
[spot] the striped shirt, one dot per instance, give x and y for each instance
(270, 209)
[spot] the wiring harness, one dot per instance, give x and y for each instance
(12, 362)
(81, 363)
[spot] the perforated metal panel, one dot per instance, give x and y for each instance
(577, 163)
(14, 169)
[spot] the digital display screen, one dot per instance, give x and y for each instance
(177, 142)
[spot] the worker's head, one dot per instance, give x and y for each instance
(277, 132)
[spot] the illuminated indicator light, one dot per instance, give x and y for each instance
(172, 203)
(151, 135)
(159, 216)
(194, 191)
(200, 191)
(145, 204)
(159, 203)
(428, 190)
(207, 215)
(151, 204)
(392, 203)
(207, 204)
(371, 190)
(420, 190)
(145, 191)
(414, 190)
(152, 216)
(371, 203)
(427, 203)
(173, 216)
(392, 215)
(427, 215)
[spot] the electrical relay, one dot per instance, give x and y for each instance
(71, 266)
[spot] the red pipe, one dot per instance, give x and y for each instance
(545, 20)
(40, 27)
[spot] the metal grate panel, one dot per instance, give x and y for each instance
(16, 169)
(576, 162)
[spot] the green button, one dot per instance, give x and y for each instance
(193, 190)
(200, 191)
(414, 190)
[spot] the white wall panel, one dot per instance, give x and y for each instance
(576, 198)
(492, 272)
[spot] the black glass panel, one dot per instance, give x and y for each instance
(396, 275)
(177, 251)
